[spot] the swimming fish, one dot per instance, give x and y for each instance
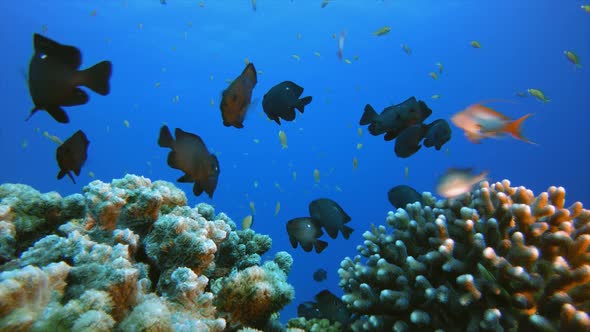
(382, 31)
(305, 231)
(236, 99)
(440, 67)
(283, 139)
(475, 44)
(247, 222)
(586, 8)
(394, 119)
(190, 155)
(402, 195)
(330, 216)
(538, 94)
(331, 307)
(320, 275)
(355, 163)
(54, 78)
(316, 175)
(433, 75)
(277, 208)
(437, 134)
(479, 122)
(71, 155)
(408, 141)
(573, 58)
(458, 181)
(325, 3)
(406, 49)
(281, 101)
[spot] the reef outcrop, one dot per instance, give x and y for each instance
(130, 255)
(496, 259)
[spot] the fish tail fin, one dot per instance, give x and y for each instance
(165, 140)
(369, 115)
(97, 77)
(320, 246)
(62, 173)
(302, 102)
(514, 128)
(346, 231)
(33, 111)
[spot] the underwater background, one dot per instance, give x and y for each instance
(171, 62)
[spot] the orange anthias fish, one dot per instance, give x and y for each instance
(479, 122)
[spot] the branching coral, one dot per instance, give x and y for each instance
(496, 259)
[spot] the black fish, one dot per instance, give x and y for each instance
(330, 216)
(402, 195)
(320, 275)
(408, 142)
(308, 310)
(282, 100)
(54, 78)
(71, 155)
(190, 155)
(306, 232)
(235, 100)
(394, 119)
(332, 307)
(438, 133)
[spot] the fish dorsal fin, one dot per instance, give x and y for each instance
(68, 55)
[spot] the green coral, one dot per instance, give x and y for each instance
(314, 325)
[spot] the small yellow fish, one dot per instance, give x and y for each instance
(407, 172)
(202, 4)
(433, 75)
(259, 72)
(538, 94)
(278, 186)
(359, 146)
(126, 123)
(277, 208)
(24, 144)
(359, 131)
(586, 8)
(325, 3)
(382, 31)
(91, 174)
(475, 44)
(573, 58)
(176, 99)
(211, 77)
(316, 175)
(255, 184)
(355, 163)
(355, 58)
(246, 61)
(435, 97)
(333, 36)
(254, 5)
(298, 36)
(252, 207)
(212, 102)
(283, 139)
(157, 84)
(53, 138)
(256, 140)
(247, 222)
(406, 49)
(294, 176)
(337, 188)
(296, 57)
(347, 61)
(317, 54)
(440, 67)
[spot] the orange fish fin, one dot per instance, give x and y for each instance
(514, 128)
(474, 138)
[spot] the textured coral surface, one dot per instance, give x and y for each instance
(131, 256)
(496, 259)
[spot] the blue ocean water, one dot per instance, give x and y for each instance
(171, 62)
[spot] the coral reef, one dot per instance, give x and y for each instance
(130, 255)
(496, 259)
